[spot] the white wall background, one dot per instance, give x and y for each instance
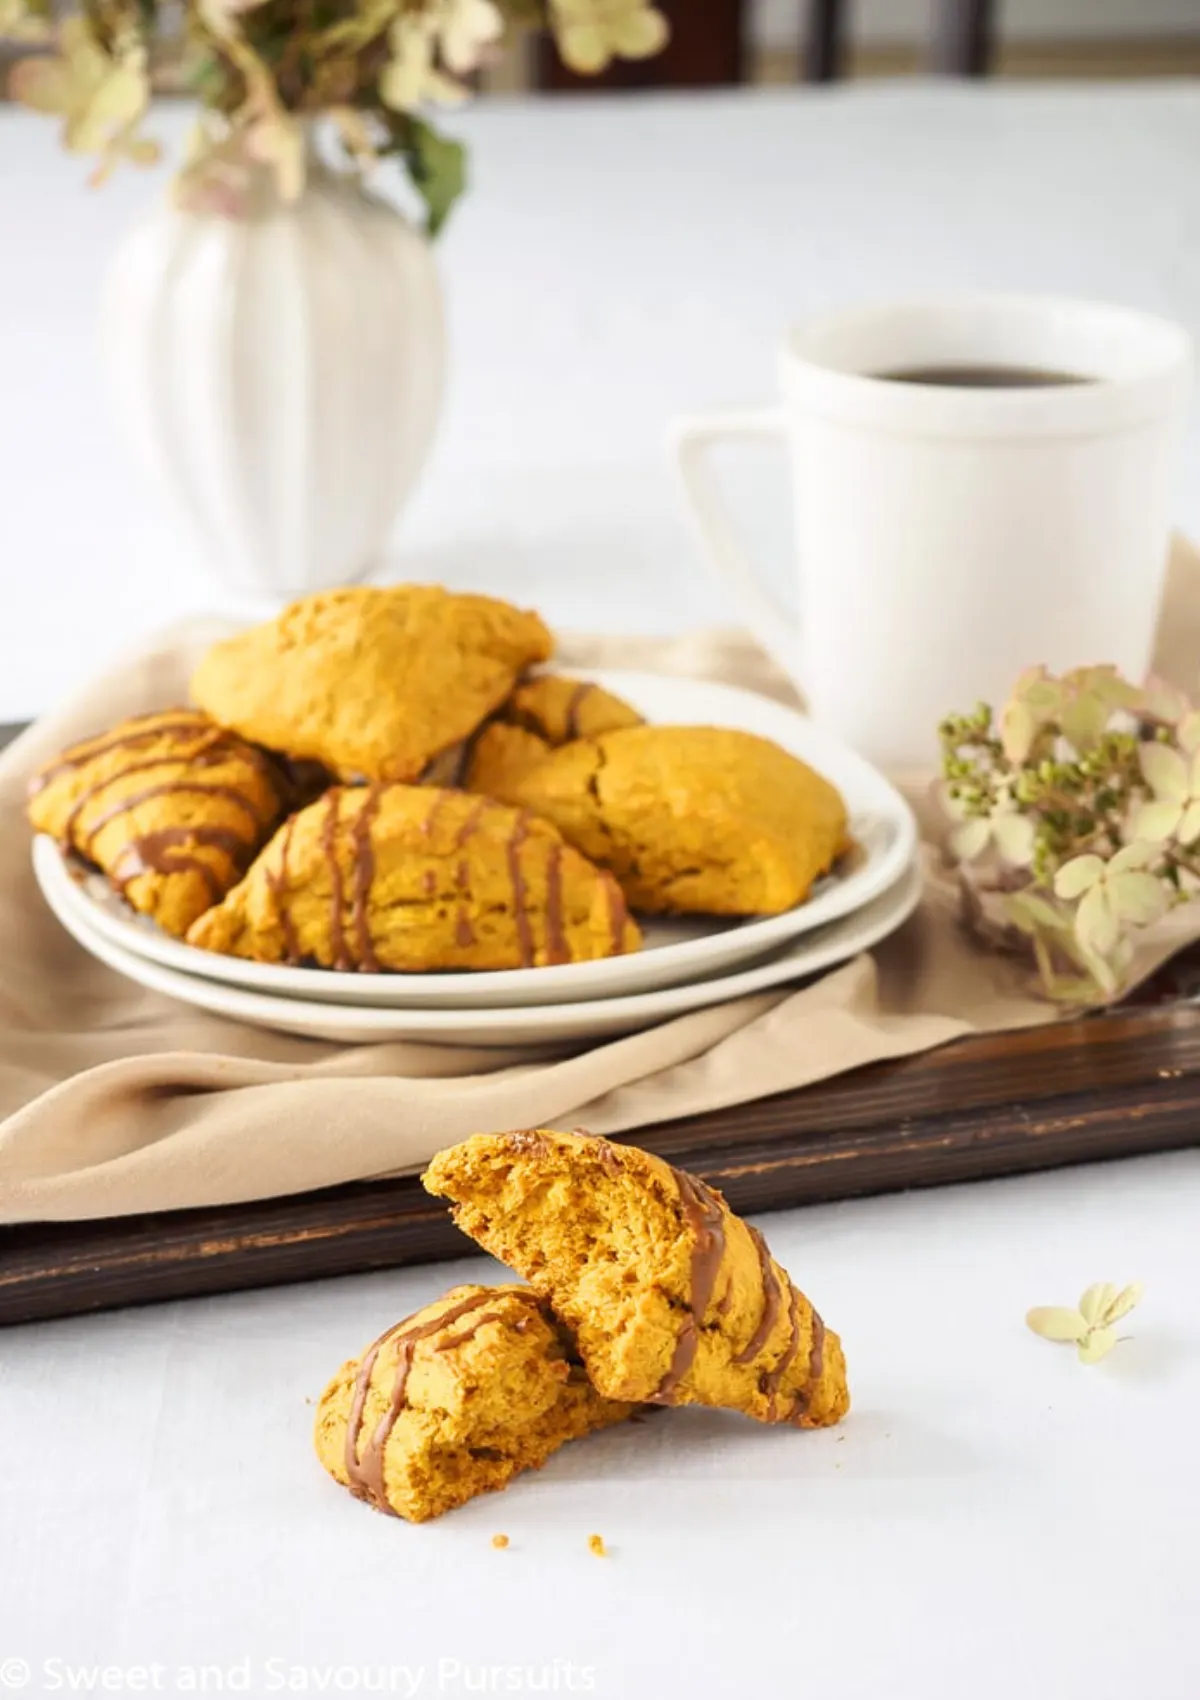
(1019, 20)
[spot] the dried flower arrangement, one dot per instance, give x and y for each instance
(262, 68)
(1077, 818)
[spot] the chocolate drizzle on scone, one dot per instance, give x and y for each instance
(150, 853)
(557, 949)
(186, 720)
(618, 912)
(188, 743)
(364, 873)
(337, 895)
(365, 1467)
(279, 883)
(520, 895)
(169, 788)
(578, 697)
(706, 1219)
(770, 1307)
(774, 1379)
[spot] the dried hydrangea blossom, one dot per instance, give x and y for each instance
(265, 69)
(1173, 776)
(1092, 1327)
(1076, 812)
(591, 33)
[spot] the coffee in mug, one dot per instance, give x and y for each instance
(981, 483)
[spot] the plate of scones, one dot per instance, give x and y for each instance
(388, 799)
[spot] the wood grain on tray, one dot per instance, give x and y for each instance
(1115, 1085)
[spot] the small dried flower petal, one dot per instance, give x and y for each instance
(1096, 925)
(1163, 702)
(1018, 729)
(1123, 1303)
(1138, 898)
(1096, 1300)
(467, 28)
(971, 839)
(1165, 771)
(1056, 1322)
(20, 22)
(1014, 836)
(1156, 823)
(1077, 876)
(590, 33)
(1131, 856)
(1098, 1343)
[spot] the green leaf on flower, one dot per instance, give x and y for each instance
(438, 165)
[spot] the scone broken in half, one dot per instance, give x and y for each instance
(690, 819)
(455, 1401)
(170, 806)
(409, 878)
(672, 1298)
(372, 683)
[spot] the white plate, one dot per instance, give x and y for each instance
(674, 952)
(553, 1024)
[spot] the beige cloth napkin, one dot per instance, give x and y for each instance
(115, 1100)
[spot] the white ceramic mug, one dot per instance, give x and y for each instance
(947, 537)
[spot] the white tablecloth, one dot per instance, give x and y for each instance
(995, 1519)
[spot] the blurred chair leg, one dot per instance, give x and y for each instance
(824, 50)
(962, 37)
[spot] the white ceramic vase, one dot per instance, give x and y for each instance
(281, 374)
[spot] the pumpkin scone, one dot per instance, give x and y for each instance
(673, 1299)
(455, 1401)
(374, 683)
(169, 805)
(499, 757)
(406, 877)
(559, 709)
(542, 713)
(690, 819)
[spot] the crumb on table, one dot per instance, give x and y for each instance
(499, 1540)
(596, 1545)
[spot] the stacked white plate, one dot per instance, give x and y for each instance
(683, 965)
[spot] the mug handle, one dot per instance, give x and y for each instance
(690, 439)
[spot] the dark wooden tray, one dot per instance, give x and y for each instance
(1113, 1085)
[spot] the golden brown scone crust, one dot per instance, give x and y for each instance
(455, 1401)
(169, 805)
(409, 878)
(691, 819)
(559, 709)
(373, 683)
(672, 1298)
(500, 757)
